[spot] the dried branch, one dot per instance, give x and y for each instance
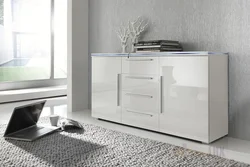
(123, 34)
(137, 27)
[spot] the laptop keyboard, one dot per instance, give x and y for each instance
(33, 129)
(32, 133)
(27, 133)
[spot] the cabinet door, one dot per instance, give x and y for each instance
(184, 96)
(105, 88)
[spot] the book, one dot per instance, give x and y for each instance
(158, 46)
(157, 42)
(148, 51)
(153, 44)
(160, 49)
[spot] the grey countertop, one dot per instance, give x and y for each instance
(159, 54)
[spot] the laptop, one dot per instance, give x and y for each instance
(23, 123)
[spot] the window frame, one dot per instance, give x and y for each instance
(52, 81)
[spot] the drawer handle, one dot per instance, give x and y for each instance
(134, 94)
(133, 77)
(136, 112)
(140, 59)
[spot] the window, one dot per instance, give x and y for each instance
(33, 40)
(1, 12)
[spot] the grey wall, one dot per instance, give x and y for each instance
(213, 25)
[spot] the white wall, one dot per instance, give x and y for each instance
(78, 70)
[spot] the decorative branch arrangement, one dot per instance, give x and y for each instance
(123, 34)
(136, 28)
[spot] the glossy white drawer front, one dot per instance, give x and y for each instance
(140, 119)
(140, 65)
(141, 92)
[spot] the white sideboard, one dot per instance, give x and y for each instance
(183, 94)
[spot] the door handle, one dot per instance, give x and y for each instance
(118, 89)
(162, 94)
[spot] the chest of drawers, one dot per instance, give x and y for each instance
(177, 94)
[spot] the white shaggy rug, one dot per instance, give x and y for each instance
(95, 146)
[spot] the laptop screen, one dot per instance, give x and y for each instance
(24, 117)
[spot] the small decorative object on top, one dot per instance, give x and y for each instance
(123, 34)
(136, 28)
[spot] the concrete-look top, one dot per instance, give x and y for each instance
(158, 54)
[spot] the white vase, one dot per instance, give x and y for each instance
(124, 46)
(134, 41)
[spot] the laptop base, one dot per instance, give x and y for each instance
(32, 133)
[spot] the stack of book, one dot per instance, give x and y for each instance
(158, 46)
